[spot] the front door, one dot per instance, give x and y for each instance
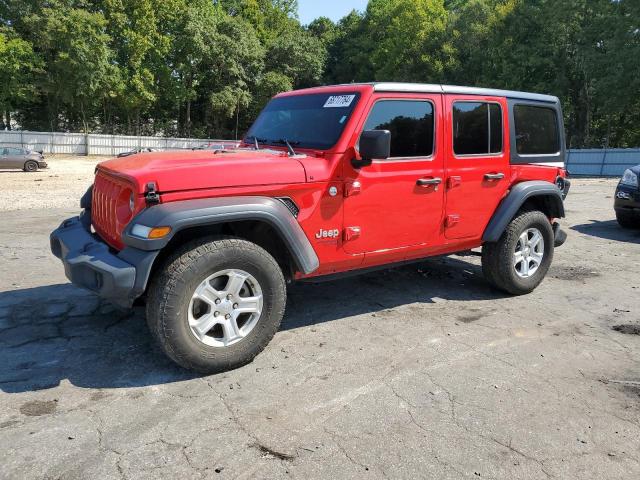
(397, 202)
(478, 168)
(13, 158)
(4, 158)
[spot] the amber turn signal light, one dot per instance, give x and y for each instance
(159, 232)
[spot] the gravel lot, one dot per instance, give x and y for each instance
(59, 186)
(418, 372)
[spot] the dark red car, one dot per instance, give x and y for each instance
(329, 181)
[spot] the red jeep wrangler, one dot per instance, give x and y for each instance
(328, 180)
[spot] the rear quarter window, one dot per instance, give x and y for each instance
(536, 130)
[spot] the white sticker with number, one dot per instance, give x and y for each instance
(339, 101)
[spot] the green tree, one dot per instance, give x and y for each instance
(18, 68)
(215, 60)
(79, 72)
(299, 56)
(411, 40)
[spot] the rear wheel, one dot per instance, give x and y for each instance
(216, 304)
(518, 262)
(30, 166)
(626, 220)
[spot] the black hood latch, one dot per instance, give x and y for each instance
(151, 195)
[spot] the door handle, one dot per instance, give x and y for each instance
(494, 176)
(429, 182)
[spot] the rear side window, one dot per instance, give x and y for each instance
(536, 130)
(477, 128)
(410, 123)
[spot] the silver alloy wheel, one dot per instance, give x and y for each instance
(529, 253)
(225, 308)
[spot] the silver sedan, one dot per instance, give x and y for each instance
(27, 160)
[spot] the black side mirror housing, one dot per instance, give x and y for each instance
(374, 144)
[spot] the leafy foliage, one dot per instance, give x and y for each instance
(207, 67)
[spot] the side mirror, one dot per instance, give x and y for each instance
(374, 144)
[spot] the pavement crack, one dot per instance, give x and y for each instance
(344, 451)
(510, 447)
(257, 443)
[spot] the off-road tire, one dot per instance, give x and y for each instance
(172, 287)
(498, 257)
(628, 221)
(30, 166)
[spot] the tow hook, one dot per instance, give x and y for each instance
(151, 195)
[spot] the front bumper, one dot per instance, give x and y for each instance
(120, 277)
(42, 164)
(627, 200)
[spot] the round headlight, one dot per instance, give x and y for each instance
(132, 202)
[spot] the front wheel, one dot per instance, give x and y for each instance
(518, 262)
(216, 304)
(626, 220)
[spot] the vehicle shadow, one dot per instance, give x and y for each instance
(608, 230)
(53, 333)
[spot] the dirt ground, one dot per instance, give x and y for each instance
(59, 186)
(418, 372)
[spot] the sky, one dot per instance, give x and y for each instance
(334, 9)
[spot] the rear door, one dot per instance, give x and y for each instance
(478, 168)
(397, 202)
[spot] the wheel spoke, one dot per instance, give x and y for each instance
(235, 283)
(231, 330)
(536, 258)
(518, 258)
(535, 240)
(525, 267)
(524, 239)
(204, 324)
(249, 304)
(207, 293)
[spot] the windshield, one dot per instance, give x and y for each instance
(306, 121)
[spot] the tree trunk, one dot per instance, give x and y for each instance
(8, 119)
(188, 120)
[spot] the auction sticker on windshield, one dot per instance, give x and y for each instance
(339, 101)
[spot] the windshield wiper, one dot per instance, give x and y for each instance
(284, 141)
(256, 141)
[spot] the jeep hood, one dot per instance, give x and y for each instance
(193, 170)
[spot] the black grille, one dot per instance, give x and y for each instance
(291, 206)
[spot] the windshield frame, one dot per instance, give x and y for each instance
(249, 137)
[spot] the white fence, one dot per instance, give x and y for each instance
(91, 144)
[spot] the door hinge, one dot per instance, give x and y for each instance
(452, 220)
(351, 233)
(352, 188)
(453, 182)
(151, 195)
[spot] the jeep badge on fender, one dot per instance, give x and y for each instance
(327, 234)
(211, 247)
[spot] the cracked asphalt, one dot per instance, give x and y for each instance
(418, 372)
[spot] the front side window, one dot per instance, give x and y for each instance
(306, 121)
(14, 151)
(410, 123)
(536, 130)
(477, 128)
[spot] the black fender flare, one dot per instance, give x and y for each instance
(210, 211)
(519, 194)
